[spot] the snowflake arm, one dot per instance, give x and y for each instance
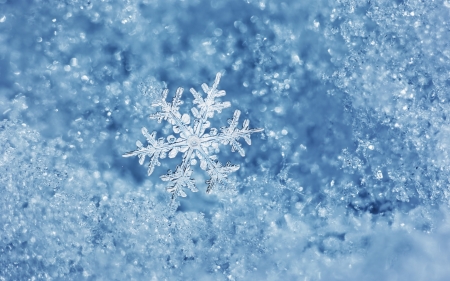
(180, 178)
(209, 105)
(156, 149)
(231, 135)
(215, 170)
(171, 112)
(219, 175)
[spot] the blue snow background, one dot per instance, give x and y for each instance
(349, 180)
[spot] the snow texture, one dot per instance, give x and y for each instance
(192, 140)
(350, 179)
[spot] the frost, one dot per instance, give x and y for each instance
(193, 140)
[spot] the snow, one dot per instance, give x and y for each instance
(348, 181)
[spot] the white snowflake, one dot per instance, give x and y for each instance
(192, 140)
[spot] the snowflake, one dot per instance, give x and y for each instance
(192, 140)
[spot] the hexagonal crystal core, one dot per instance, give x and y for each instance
(193, 141)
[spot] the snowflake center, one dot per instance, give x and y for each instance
(193, 141)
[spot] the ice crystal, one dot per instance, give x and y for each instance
(192, 140)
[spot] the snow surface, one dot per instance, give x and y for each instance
(348, 181)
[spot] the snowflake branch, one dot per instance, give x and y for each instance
(171, 112)
(181, 177)
(231, 135)
(209, 105)
(216, 171)
(154, 150)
